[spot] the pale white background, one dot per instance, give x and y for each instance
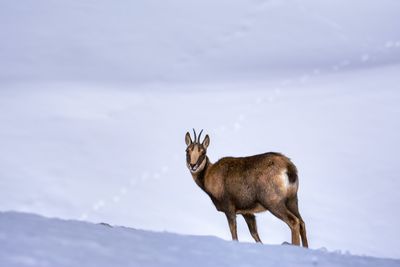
(96, 96)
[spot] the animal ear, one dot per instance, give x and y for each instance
(206, 141)
(188, 139)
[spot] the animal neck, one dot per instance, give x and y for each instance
(199, 176)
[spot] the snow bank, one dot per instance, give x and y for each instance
(31, 240)
(158, 41)
(117, 155)
(96, 96)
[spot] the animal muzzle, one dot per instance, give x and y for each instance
(193, 167)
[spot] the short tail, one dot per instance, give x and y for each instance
(292, 173)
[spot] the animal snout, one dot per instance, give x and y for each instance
(192, 165)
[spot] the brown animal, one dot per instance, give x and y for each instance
(248, 185)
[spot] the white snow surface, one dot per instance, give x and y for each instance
(31, 240)
(177, 40)
(118, 155)
(96, 97)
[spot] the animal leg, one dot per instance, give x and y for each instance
(282, 212)
(292, 205)
(232, 224)
(252, 224)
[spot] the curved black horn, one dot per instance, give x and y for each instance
(200, 135)
(195, 137)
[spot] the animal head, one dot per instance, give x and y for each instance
(196, 152)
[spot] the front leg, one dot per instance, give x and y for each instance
(231, 216)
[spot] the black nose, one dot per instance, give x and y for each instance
(192, 165)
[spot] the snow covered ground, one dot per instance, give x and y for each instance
(117, 155)
(176, 40)
(96, 97)
(30, 240)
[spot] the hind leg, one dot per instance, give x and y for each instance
(292, 205)
(251, 223)
(282, 212)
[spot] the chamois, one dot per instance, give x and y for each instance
(248, 185)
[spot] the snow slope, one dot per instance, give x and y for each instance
(31, 240)
(117, 155)
(96, 96)
(176, 40)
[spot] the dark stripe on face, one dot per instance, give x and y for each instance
(201, 158)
